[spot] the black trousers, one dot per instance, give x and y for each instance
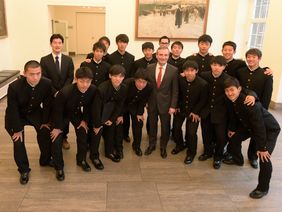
(126, 124)
(190, 134)
(165, 128)
(214, 137)
(136, 131)
(265, 167)
(44, 143)
(81, 141)
(113, 138)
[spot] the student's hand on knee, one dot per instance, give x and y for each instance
(140, 118)
(264, 156)
(119, 120)
(46, 126)
(230, 133)
(88, 60)
(250, 100)
(195, 117)
(17, 136)
(171, 110)
(55, 133)
(83, 124)
(108, 123)
(97, 130)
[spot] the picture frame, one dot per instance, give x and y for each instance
(3, 24)
(185, 19)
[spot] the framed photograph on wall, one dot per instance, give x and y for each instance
(3, 26)
(177, 19)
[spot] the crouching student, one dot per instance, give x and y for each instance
(107, 117)
(253, 122)
(73, 104)
(193, 94)
(28, 103)
(139, 90)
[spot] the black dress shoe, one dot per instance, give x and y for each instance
(113, 157)
(120, 154)
(254, 163)
(98, 164)
(24, 178)
(189, 159)
(127, 139)
(60, 175)
(149, 150)
(216, 164)
(256, 194)
(138, 151)
(163, 153)
(176, 150)
(84, 165)
(230, 161)
(204, 157)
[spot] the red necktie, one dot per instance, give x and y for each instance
(159, 78)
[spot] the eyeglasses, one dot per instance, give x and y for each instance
(164, 43)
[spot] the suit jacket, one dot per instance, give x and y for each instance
(59, 80)
(26, 104)
(166, 96)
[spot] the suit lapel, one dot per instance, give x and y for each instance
(165, 76)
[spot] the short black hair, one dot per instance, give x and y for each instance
(141, 73)
(105, 38)
(231, 81)
(99, 45)
(230, 43)
(254, 51)
(190, 64)
(147, 45)
(116, 70)
(122, 38)
(31, 64)
(164, 37)
(178, 43)
(56, 36)
(83, 72)
(219, 59)
(205, 38)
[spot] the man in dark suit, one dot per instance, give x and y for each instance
(255, 122)
(28, 103)
(163, 100)
(59, 69)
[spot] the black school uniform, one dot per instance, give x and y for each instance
(233, 66)
(214, 115)
(134, 104)
(28, 105)
(126, 60)
(178, 63)
(142, 63)
(204, 62)
(257, 81)
(192, 99)
(100, 71)
(107, 105)
(71, 105)
(255, 122)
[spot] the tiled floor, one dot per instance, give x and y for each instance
(147, 183)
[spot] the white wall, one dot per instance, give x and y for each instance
(29, 29)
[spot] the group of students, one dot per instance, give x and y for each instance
(229, 97)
